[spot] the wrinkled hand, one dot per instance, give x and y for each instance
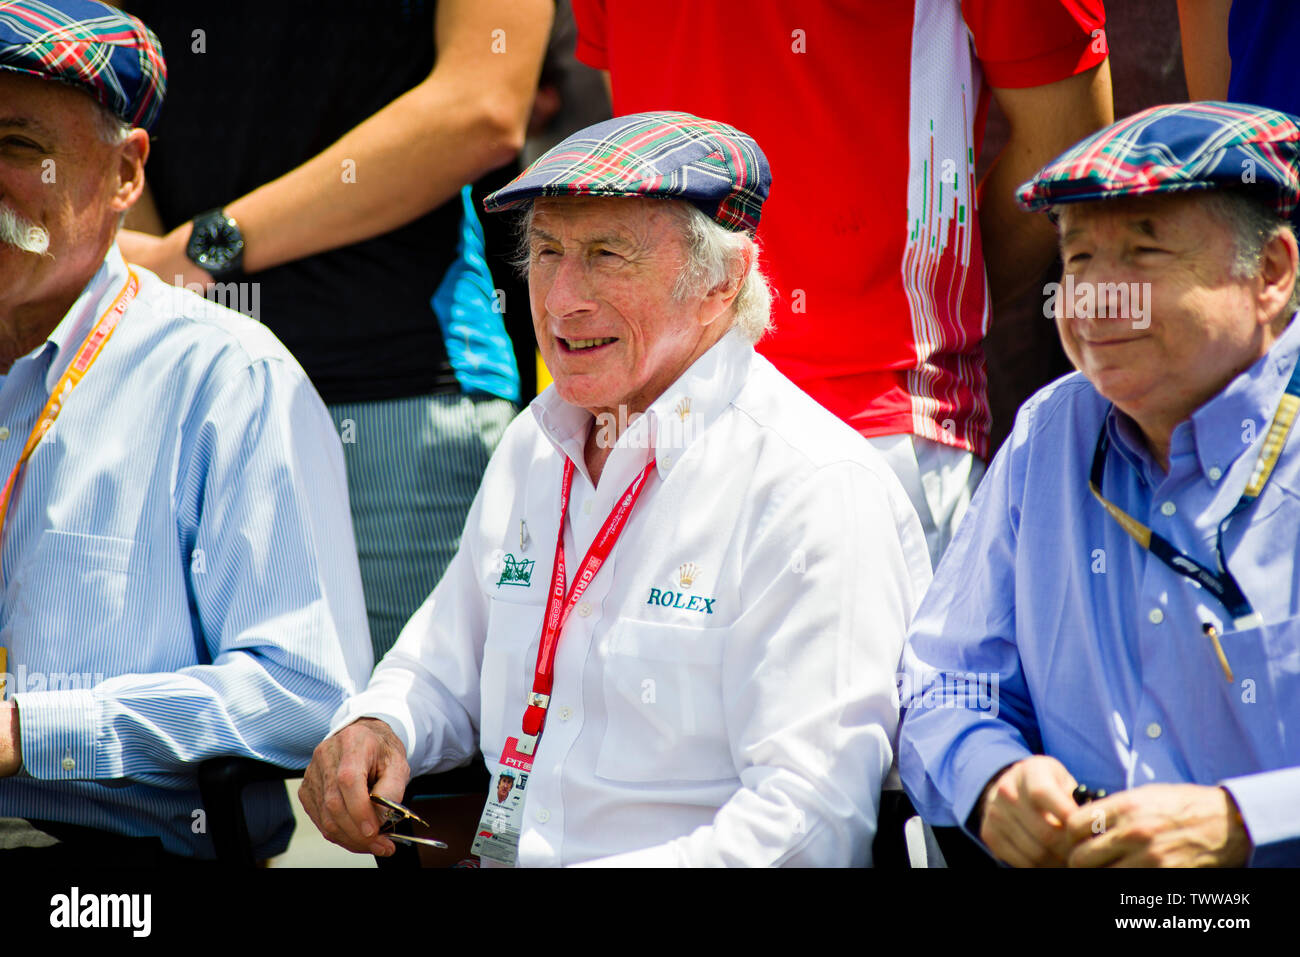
(11, 749)
(1160, 825)
(1024, 810)
(345, 768)
(163, 255)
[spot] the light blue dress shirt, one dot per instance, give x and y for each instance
(179, 574)
(1048, 630)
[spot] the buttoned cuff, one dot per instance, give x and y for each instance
(58, 732)
(375, 706)
(974, 774)
(1268, 803)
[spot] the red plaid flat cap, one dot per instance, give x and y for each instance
(711, 165)
(109, 54)
(1168, 149)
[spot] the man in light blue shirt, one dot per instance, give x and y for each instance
(178, 577)
(1106, 669)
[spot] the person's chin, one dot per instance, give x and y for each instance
(1123, 385)
(581, 391)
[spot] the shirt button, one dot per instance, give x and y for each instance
(1168, 509)
(1153, 730)
(586, 507)
(1215, 473)
(543, 815)
(564, 714)
(69, 764)
(1155, 616)
(667, 461)
(584, 610)
(4, 432)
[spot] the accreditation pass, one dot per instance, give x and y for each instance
(497, 838)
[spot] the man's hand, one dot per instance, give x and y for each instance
(1160, 825)
(1023, 813)
(163, 255)
(363, 757)
(11, 748)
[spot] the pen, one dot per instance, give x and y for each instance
(1213, 635)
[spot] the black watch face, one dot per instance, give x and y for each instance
(215, 244)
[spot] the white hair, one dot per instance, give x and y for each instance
(109, 127)
(113, 131)
(711, 251)
(22, 233)
(1254, 225)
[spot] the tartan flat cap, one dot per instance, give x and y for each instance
(107, 53)
(711, 165)
(1169, 149)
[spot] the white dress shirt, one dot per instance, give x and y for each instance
(747, 719)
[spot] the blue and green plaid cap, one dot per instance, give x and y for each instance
(711, 165)
(109, 54)
(1169, 149)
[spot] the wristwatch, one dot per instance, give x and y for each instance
(216, 244)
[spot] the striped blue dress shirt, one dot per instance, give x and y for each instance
(1049, 630)
(179, 574)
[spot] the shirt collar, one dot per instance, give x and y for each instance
(90, 305)
(1225, 426)
(1222, 427)
(673, 421)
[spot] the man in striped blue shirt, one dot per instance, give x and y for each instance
(178, 576)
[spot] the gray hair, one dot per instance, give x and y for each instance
(710, 251)
(109, 127)
(113, 131)
(1254, 225)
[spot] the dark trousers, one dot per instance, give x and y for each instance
(55, 845)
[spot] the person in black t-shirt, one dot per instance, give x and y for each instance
(311, 170)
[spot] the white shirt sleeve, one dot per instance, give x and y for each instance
(426, 688)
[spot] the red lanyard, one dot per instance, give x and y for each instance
(81, 363)
(557, 606)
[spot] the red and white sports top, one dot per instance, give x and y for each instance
(871, 116)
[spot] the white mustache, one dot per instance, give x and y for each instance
(26, 235)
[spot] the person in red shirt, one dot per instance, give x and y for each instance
(886, 270)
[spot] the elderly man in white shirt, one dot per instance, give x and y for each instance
(679, 602)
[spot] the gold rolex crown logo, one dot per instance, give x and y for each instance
(683, 408)
(686, 574)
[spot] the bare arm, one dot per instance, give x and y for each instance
(1045, 121)
(143, 216)
(466, 118)
(1206, 64)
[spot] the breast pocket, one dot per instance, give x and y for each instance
(1269, 658)
(663, 699)
(1260, 706)
(509, 659)
(77, 591)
